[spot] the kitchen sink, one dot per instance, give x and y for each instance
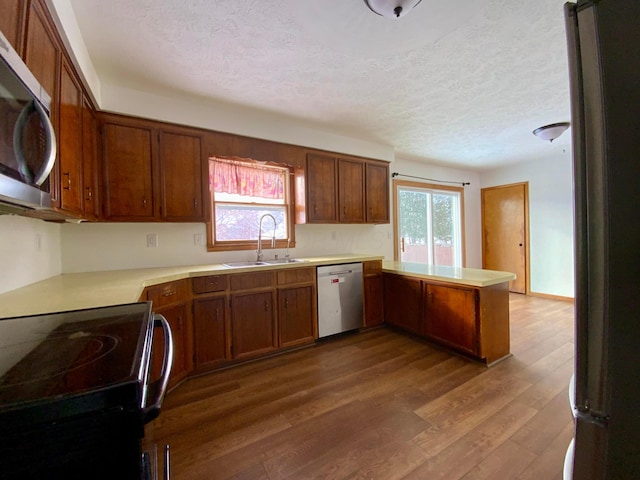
(279, 261)
(244, 264)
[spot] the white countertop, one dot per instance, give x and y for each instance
(98, 289)
(74, 291)
(474, 277)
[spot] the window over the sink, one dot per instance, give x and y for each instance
(242, 191)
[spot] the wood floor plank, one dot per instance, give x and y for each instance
(457, 459)
(507, 461)
(382, 405)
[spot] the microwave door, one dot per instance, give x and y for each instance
(24, 128)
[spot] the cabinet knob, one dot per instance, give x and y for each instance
(68, 175)
(89, 193)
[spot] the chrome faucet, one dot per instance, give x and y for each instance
(273, 238)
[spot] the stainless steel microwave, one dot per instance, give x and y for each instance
(27, 139)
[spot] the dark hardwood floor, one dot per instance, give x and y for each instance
(382, 405)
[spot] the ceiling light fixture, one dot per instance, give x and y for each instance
(391, 8)
(551, 132)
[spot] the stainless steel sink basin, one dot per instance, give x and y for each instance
(244, 264)
(280, 261)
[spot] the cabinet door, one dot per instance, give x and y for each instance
(373, 300)
(181, 177)
(128, 180)
(70, 142)
(350, 191)
(295, 315)
(42, 56)
(177, 318)
(210, 331)
(321, 189)
(451, 316)
(377, 193)
(252, 324)
(11, 21)
(403, 303)
(90, 160)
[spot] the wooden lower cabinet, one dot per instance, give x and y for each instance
(252, 324)
(373, 292)
(178, 321)
(295, 315)
(450, 316)
(403, 303)
(210, 344)
(471, 320)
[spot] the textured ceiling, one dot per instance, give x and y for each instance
(459, 83)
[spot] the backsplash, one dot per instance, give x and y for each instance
(114, 246)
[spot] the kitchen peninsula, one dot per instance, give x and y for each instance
(466, 310)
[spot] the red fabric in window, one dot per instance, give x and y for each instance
(228, 176)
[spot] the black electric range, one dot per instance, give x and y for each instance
(76, 391)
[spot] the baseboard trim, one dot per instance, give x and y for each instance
(551, 297)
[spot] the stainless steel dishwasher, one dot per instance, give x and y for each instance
(339, 298)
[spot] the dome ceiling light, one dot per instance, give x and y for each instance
(551, 132)
(391, 8)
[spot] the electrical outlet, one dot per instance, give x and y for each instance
(198, 239)
(152, 240)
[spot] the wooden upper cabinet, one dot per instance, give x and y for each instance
(12, 21)
(70, 142)
(128, 172)
(321, 189)
(377, 192)
(181, 168)
(42, 55)
(350, 191)
(90, 161)
(343, 190)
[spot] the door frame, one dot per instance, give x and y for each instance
(527, 266)
(428, 186)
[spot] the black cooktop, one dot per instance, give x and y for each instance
(48, 358)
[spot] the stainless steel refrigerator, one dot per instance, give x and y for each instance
(604, 65)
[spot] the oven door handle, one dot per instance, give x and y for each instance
(157, 389)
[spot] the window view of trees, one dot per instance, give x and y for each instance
(429, 226)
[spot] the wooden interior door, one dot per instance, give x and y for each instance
(505, 233)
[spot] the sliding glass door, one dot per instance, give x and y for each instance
(429, 224)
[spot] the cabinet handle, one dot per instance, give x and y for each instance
(314, 208)
(89, 193)
(266, 306)
(167, 463)
(68, 175)
(144, 202)
(286, 302)
(195, 204)
(217, 313)
(169, 294)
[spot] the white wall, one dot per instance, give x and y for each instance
(550, 220)
(29, 251)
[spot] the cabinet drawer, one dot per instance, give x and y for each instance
(210, 283)
(167, 293)
(247, 281)
(373, 267)
(296, 275)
